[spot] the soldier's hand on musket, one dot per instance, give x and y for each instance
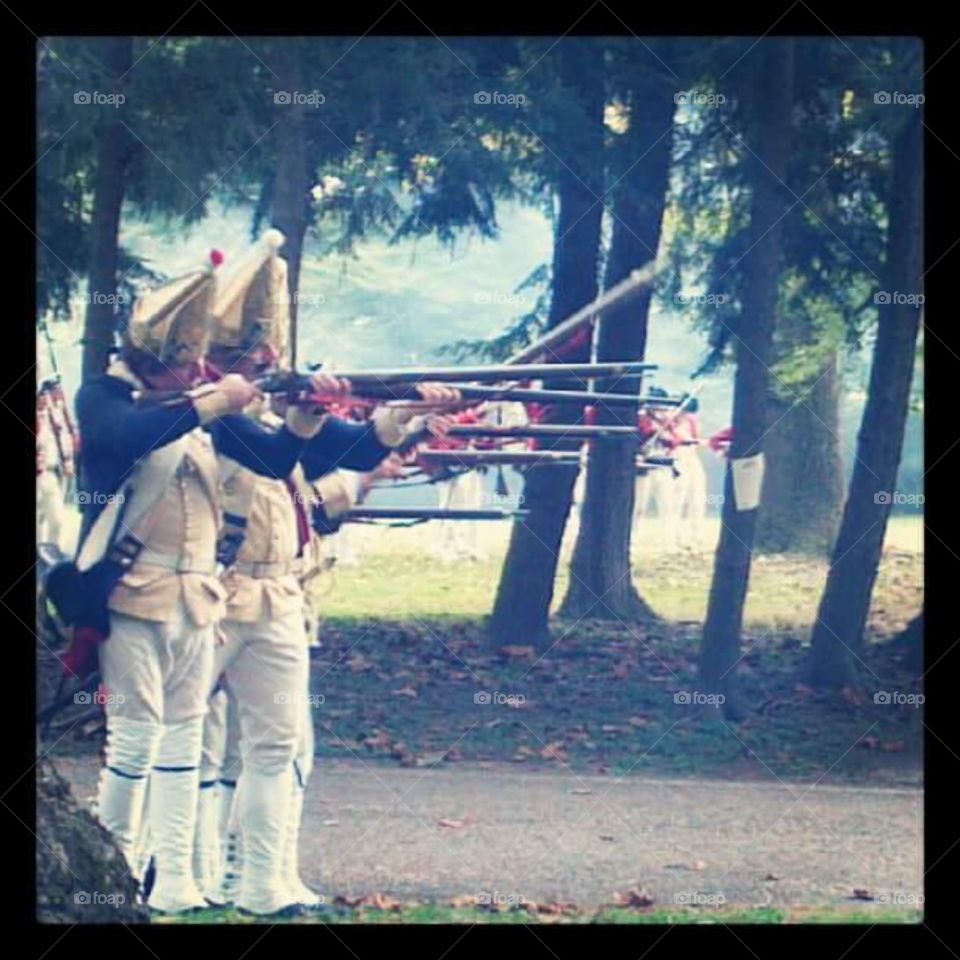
(237, 392)
(438, 424)
(390, 468)
(329, 386)
(438, 393)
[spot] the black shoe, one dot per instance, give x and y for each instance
(149, 879)
(289, 912)
(189, 912)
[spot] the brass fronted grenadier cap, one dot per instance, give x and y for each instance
(172, 322)
(252, 304)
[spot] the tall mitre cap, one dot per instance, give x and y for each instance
(172, 322)
(252, 301)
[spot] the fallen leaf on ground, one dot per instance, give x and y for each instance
(454, 824)
(554, 751)
(516, 652)
(633, 898)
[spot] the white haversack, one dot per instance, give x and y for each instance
(747, 481)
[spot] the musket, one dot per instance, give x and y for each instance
(571, 430)
(408, 395)
(491, 373)
(297, 384)
(50, 348)
(519, 458)
(546, 346)
(299, 390)
(429, 513)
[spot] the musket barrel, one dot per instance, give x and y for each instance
(480, 458)
(492, 373)
(404, 392)
(532, 395)
(630, 286)
(430, 513)
(575, 430)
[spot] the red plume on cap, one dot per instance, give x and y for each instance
(216, 257)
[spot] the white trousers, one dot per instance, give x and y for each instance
(658, 486)
(460, 539)
(156, 678)
(50, 508)
(691, 500)
(266, 666)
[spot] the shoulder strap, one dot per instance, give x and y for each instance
(132, 501)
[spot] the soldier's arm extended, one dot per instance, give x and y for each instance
(269, 453)
(112, 423)
(352, 446)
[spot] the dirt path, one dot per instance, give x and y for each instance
(492, 831)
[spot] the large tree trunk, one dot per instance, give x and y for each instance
(290, 205)
(803, 485)
(116, 55)
(522, 605)
(838, 632)
(82, 876)
(601, 585)
(911, 642)
(772, 102)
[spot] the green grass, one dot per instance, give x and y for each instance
(441, 913)
(404, 652)
(402, 583)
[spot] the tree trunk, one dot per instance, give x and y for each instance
(290, 209)
(910, 642)
(770, 150)
(803, 484)
(82, 876)
(522, 605)
(838, 632)
(116, 55)
(601, 584)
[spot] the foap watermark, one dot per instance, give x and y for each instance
(87, 698)
(284, 697)
(83, 498)
(897, 499)
(307, 299)
(894, 698)
(698, 98)
(690, 698)
(494, 898)
(97, 98)
(701, 299)
(512, 299)
(694, 898)
(896, 98)
(485, 697)
(309, 98)
(899, 898)
(883, 297)
(502, 499)
(499, 99)
(88, 898)
(113, 299)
